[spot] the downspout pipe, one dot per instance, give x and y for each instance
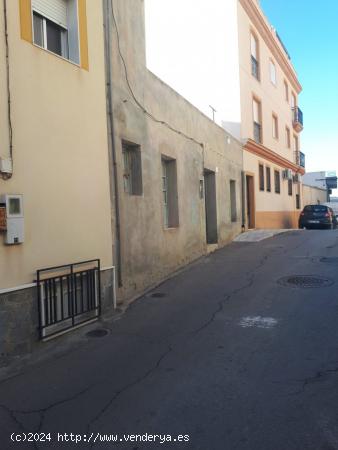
(243, 200)
(107, 14)
(8, 175)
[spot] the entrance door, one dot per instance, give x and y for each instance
(250, 201)
(210, 207)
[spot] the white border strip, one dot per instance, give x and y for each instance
(17, 288)
(31, 285)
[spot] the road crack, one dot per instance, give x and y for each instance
(125, 388)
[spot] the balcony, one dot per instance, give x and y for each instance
(254, 67)
(257, 132)
(297, 119)
(300, 159)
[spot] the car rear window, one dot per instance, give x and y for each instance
(315, 208)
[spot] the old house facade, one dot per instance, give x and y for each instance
(178, 174)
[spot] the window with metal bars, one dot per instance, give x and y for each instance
(277, 182)
(268, 179)
(132, 175)
(290, 183)
(261, 178)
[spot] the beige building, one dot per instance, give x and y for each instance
(314, 195)
(54, 180)
(271, 122)
(250, 80)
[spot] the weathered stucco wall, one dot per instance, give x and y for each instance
(313, 195)
(150, 252)
(60, 153)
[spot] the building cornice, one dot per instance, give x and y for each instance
(264, 30)
(264, 152)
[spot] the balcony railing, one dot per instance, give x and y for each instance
(254, 67)
(300, 159)
(297, 118)
(257, 132)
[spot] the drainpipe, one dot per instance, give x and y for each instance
(6, 166)
(107, 14)
(243, 201)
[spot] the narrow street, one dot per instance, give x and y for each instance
(225, 354)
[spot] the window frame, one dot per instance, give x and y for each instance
(255, 59)
(233, 201)
(288, 137)
(257, 125)
(132, 169)
(272, 65)
(268, 178)
(261, 177)
(64, 41)
(78, 48)
(277, 176)
(286, 91)
(275, 126)
(290, 188)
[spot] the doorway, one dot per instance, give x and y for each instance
(210, 207)
(250, 201)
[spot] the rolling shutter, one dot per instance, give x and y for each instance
(54, 10)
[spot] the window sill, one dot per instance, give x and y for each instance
(58, 56)
(170, 228)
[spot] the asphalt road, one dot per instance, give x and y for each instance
(225, 357)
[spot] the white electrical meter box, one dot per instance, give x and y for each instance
(15, 233)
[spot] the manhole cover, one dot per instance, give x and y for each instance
(328, 260)
(305, 281)
(158, 295)
(98, 333)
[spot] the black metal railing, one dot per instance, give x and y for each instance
(254, 67)
(68, 296)
(297, 116)
(257, 132)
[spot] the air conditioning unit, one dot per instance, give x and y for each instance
(287, 174)
(297, 178)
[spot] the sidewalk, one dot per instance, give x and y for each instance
(260, 235)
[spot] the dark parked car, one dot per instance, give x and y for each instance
(317, 216)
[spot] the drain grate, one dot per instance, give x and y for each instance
(305, 281)
(330, 260)
(158, 295)
(98, 333)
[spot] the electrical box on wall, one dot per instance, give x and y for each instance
(6, 165)
(14, 219)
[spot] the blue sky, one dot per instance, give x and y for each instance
(309, 31)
